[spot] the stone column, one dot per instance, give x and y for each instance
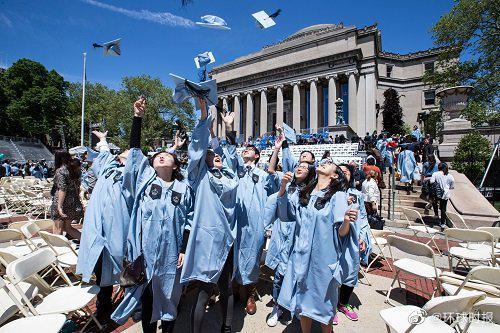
(249, 118)
(353, 120)
(263, 111)
(213, 111)
(237, 113)
(313, 104)
(332, 97)
(361, 106)
(296, 106)
(371, 92)
(279, 104)
(224, 108)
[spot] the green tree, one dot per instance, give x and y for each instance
(471, 155)
(392, 113)
(471, 29)
(34, 99)
(477, 112)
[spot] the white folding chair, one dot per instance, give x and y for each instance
(67, 300)
(64, 250)
(45, 224)
(456, 220)
(465, 255)
(432, 317)
(379, 239)
(30, 231)
(10, 303)
(17, 225)
(495, 231)
(12, 241)
(481, 278)
(412, 266)
(413, 216)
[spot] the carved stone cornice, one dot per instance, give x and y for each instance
(413, 55)
(310, 31)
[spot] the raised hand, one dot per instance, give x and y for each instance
(100, 135)
(287, 178)
(178, 141)
(228, 119)
(140, 107)
(279, 141)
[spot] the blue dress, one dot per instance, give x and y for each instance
(313, 274)
(360, 229)
(106, 222)
(159, 216)
(213, 228)
(406, 166)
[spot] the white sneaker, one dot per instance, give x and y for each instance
(272, 320)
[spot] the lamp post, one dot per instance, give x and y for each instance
(340, 117)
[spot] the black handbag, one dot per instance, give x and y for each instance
(133, 273)
(438, 190)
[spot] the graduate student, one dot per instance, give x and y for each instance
(406, 166)
(209, 255)
(288, 161)
(283, 233)
(313, 273)
(105, 227)
(158, 232)
(358, 247)
(255, 186)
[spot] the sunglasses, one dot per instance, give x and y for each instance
(327, 160)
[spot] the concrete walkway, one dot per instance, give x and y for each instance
(369, 299)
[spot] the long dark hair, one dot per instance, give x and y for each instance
(335, 185)
(443, 167)
(349, 183)
(75, 169)
(311, 175)
(61, 157)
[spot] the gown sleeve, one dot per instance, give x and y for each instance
(288, 162)
(197, 151)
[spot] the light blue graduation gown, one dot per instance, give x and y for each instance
(106, 222)
(406, 165)
(385, 151)
(313, 273)
(416, 133)
(360, 229)
(213, 228)
(288, 162)
(161, 213)
(283, 233)
(255, 186)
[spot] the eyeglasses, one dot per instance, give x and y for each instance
(327, 160)
(303, 167)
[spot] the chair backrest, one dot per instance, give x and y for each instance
(490, 307)
(467, 235)
(413, 216)
(8, 309)
(22, 268)
(495, 231)
(411, 247)
(462, 303)
(29, 230)
(17, 225)
(6, 257)
(44, 224)
(381, 233)
(456, 220)
(56, 241)
(8, 235)
(486, 274)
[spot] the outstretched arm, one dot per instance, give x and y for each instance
(198, 148)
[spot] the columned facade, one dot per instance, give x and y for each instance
(298, 81)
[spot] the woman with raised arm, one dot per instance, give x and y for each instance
(162, 209)
(209, 254)
(313, 273)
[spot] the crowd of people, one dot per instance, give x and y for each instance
(153, 225)
(38, 169)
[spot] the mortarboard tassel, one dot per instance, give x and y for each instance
(275, 14)
(95, 45)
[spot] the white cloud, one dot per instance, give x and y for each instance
(4, 20)
(164, 18)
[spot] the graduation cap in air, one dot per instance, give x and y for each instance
(185, 89)
(290, 134)
(110, 48)
(264, 20)
(214, 22)
(203, 59)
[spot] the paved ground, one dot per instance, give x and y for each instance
(369, 299)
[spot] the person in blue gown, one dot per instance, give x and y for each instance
(358, 246)
(105, 227)
(386, 150)
(416, 133)
(406, 166)
(162, 210)
(209, 255)
(283, 233)
(314, 273)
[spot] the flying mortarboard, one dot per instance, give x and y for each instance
(290, 134)
(264, 20)
(110, 48)
(185, 89)
(212, 21)
(203, 59)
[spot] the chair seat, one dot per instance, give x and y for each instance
(462, 252)
(7, 306)
(67, 259)
(479, 326)
(17, 250)
(417, 268)
(398, 319)
(41, 324)
(422, 228)
(480, 247)
(451, 289)
(67, 299)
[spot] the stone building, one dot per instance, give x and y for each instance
(298, 80)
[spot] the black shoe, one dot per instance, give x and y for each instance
(225, 329)
(442, 227)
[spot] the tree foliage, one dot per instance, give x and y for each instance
(471, 156)
(470, 29)
(392, 113)
(479, 114)
(32, 99)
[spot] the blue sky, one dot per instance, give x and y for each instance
(158, 36)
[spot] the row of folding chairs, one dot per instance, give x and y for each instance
(25, 200)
